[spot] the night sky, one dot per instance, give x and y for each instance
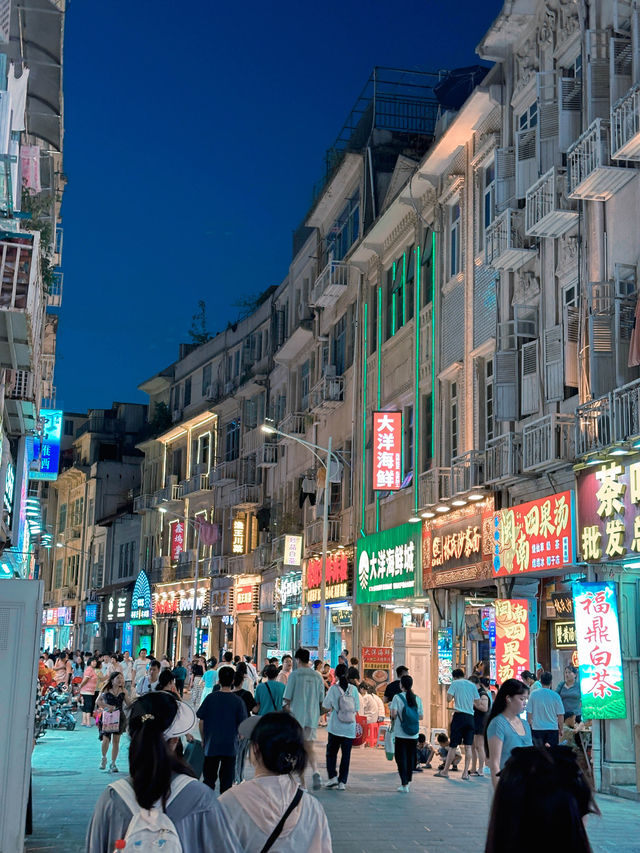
(194, 135)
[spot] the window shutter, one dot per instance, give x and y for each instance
(530, 396)
(548, 121)
(506, 385)
(505, 178)
(526, 163)
(597, 75)
(553, 367)
(602, 366)
(620, 67)
(570, 108)
(571, 329)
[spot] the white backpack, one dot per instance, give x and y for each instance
(346, 707)
(151, 830)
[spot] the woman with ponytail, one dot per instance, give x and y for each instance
(256, 808)
(406, 712)
(343, 700)
(159, 779)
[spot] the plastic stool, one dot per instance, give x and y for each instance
(372, 734)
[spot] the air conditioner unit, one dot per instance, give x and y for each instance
(176, 415)
(172, 480)
(330, 370)
(228, 388)
(212, 391)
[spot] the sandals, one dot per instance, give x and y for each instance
(441, 775)
(473, 773)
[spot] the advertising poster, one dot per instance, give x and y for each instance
(377, 667)
(387, 451)
(598, 638)
(46, 447)
(387, 564)
(445, 655)
(609, 511)
(512, 638)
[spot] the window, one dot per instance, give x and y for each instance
(204, 446)
(62, 518)
(257, 346)
(454, 240)
(206, 379)
(305, 385)
(410, 283)
(57, 578)
(529, 118)
(187, 391)
(229, 368)
(453, 419)
(236, 363)
(232, 441)
(489, 426)
(122, 558)
(488, 199)
(176, 463)
(345, 230)
(68, 427)
(575, 69)
(98, 567)
(340, 344)
(399, 287)
(90, 511)
(427, 433)
(372, 310)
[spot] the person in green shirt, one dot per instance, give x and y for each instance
(180, 675)
(269, 693)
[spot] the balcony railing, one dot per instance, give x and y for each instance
(506, 245)
(330, 284)
(626, 412)
(54, 292)
(267, 455)
(195, 484)
(313, 532)
(294, 423)
(21, 301)
(216, 567)
(592, 174)
(240, 564)
(20, 385)
(225, 472)
(143, 503)
(434, 486)
(246, 497)
(625, 126)
(168, 495)
(503, 458)
(594, 425)
(548, 443)
(261, 557)
(327, 394)
(467, 472)
(104, 426)
(549, 213)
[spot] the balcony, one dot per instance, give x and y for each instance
(161, 570)
(171, 494)
(503, 458)
(625, 126)
(240, 564)
(434, 486)
(592, 174)
(548, 443)
(20, 401)
(54, 292)
(225, 473)
(186, 567)
(72, 531)
(330, 285)
(327, 394)
(549, 213)
(506, 245)
(294, 423)
(21, 301)
(246, 497)
(300, 338)
(626, 412)
(467, 472)
(261, 557)
(594, 426)
(267, 455)
(143, 503)
(102, 426)
(313, 533)
(216, 567)
(196, 484)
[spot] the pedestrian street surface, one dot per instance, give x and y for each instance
(370, 816)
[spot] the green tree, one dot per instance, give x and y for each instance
(198, 331)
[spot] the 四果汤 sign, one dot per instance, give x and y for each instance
(387, 451)
(609, 511)
(535, 536)
(336, 578)
(599, 654)
(386, 564)
(512, 637)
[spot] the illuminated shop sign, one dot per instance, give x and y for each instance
(289, 590)
(458, 549)
(562, 603)
(9, 490)
(386, 564)
(445, 655)
(609, 511)
(175, 604)
(237, 536)
(387, 451)
(219, 602)
(336, 578)
(118, 607)
(535, 536)
(58, 616)
(599, 654)
(512, 637)
(141, 601)
(177, 539)
(91, 613)
(564, 635)
(46, 450)
(244, 598)
(292, 550)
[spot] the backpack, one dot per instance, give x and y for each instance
(346, 707)
(410, 720)
(152, 829)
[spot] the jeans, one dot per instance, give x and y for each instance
(405, 758)
(542, 736)
(335, 743)
(226, 764)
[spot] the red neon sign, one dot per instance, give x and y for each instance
(387, 451)
(177, 539)
(337, 571)
(512, 637)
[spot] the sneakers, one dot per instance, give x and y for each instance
(486, 771)
(342, 786)
(403, 789)
(316, 781)
(103, 763)
(113, 768)
(332, 783)
(418, 770)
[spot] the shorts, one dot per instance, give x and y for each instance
(462, 729)
(310, 733)
(88, 703)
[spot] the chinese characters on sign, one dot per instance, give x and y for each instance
(534, 536)
(565, 635)
(512, 637)
(177, 539)
(387, 451)
(598, 637)
(141, 601)
(244, 598)
(237, 536)
(563, 603)
(376, 664)
(445, 655)
(336, 578)
(119, 607)
(289, 589)
(292, 550)
(387, 564)
(46, 448)
(609, 511)
(459, 549)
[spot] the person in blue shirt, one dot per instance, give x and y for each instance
(545, 713)
(506, 729)
(269, 693)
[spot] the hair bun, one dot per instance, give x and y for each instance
(286, 762)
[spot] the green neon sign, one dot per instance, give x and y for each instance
(387, 564)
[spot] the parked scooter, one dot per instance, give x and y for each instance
(58, 709)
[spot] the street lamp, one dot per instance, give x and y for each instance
(326, 463)
(186, 519)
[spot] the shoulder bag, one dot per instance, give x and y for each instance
(271, 840)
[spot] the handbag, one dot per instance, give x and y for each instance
(271, 840)
(194, 756)
(111, 722)
(390, 743)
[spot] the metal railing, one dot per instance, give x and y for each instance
(225, 472)
(548, 442)
(168, 494)
(625, 126)
(293, 424)
(547, 212)
(467, 471)
(246, 496)
(267, 455)
(313, 532)
(327, 394)
(434, 486)
(143, 503)
(240, 564)
(197, 483)
(594, 425)
(330, 284)
(506, 246)
(216, 567)
(626, 411)
(106, 426)
(503, 457)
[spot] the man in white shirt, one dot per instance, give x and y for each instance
(465, 698)
(545, 713)
(149, 682)
(140, 665)
(127, 669)
(303, 696)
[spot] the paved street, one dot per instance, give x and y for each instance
(438, 815)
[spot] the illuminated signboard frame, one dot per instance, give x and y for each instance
(47, 450)
(445, 655)
(459, 549)
(599, 654)
(609, 511)
(243, 598)
(387, 564)
(512, 637)
(292, 550)
(141, 601)
(387, 451)
(337, 578)
(237, 535)
(177, 534)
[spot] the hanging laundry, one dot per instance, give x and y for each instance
(30, 167)
(307, 490)
(335, 471)
(209, 533)
(17, 88)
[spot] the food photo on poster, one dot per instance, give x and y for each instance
(377, 662)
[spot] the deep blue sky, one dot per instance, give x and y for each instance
(194, 135)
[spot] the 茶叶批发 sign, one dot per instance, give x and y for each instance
(386, 564)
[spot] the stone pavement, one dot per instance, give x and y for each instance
(370, 816)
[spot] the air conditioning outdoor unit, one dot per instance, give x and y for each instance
(212, 391)
(176, 415)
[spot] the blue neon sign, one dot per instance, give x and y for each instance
(46, 448)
